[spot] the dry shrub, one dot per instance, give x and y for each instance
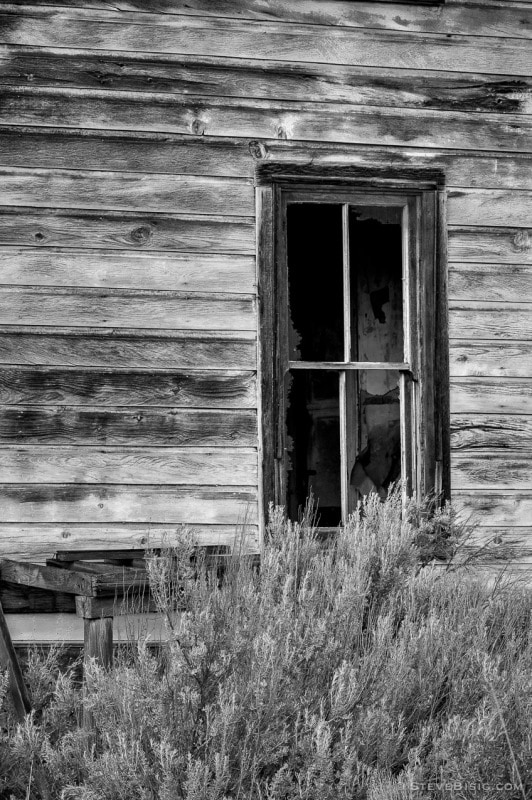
(346, 671)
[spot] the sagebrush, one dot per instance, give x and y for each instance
(352, 670)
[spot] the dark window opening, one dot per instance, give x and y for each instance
(345, 304)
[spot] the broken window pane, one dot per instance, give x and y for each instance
(373, 402)
(375, 253)
(313, 444)
(315, 282)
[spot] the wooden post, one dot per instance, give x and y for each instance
(98, 644)
(9, 661)
(98, 640)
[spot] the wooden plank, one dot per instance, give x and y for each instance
(18, 599)
(512, 509)
(135, 152)
(100, 348)
(493, 282)
(424, 17)
(126, 231)
(106, 503)
(208, 76)
(180, 154)
(31, 629)
(16, 689)
(326, 122)
(288, 41)
(490, 245)
(486, 19)
(37, 541)
(154, 427)
(492, 207)
(116, 308)
(95, 607)
(481, 432)
(107, 577)
(130, 465)
(501, 359)
(482, 321)
(49, 578)
(518, 538)
(491, 396)
(68, 556)
(95, 387)
(179, 272)
(125, 191)
(495, 470)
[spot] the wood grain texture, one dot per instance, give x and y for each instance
(494, 536)
(489, 207)
(16, 689)
(485, 19)
(478, 320)
(124, 230)
(491, 396)
(146, 504)
(23, 600)
(75, 387)
(23, 146)
(125, 191)
(490, 245)
(100, 348)
(116, 309)
(179, 272)
(326, 122)
(128, 465)
(493, 282)
(288, 41)
(32, 629)
(496, 358)
(206, 195)
(273, 80)
(494, 470)
(481, 432)
(38, 540)
(157, 427)
(513, 509)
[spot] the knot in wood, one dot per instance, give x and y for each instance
(257, 150)
(198, 127)
(521, 241)
(281, 132)
(141, 235)
(40, 236)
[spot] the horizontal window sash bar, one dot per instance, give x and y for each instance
(355, 365)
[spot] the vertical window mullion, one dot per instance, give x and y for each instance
(344, 377)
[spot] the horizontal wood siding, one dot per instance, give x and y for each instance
(129, 143)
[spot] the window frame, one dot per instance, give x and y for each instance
(424, 382)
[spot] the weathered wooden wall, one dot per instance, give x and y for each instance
(130, 132)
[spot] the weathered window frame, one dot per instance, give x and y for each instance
(424, 376)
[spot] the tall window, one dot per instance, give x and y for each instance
(353, 345)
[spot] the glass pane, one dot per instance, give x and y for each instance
(313, 444)
(315, 282)
(375, 252)
(373, 416)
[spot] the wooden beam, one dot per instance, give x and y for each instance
(8, 661)
(93, 555)
(44, 577)
(72, 581)
(96, 607)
